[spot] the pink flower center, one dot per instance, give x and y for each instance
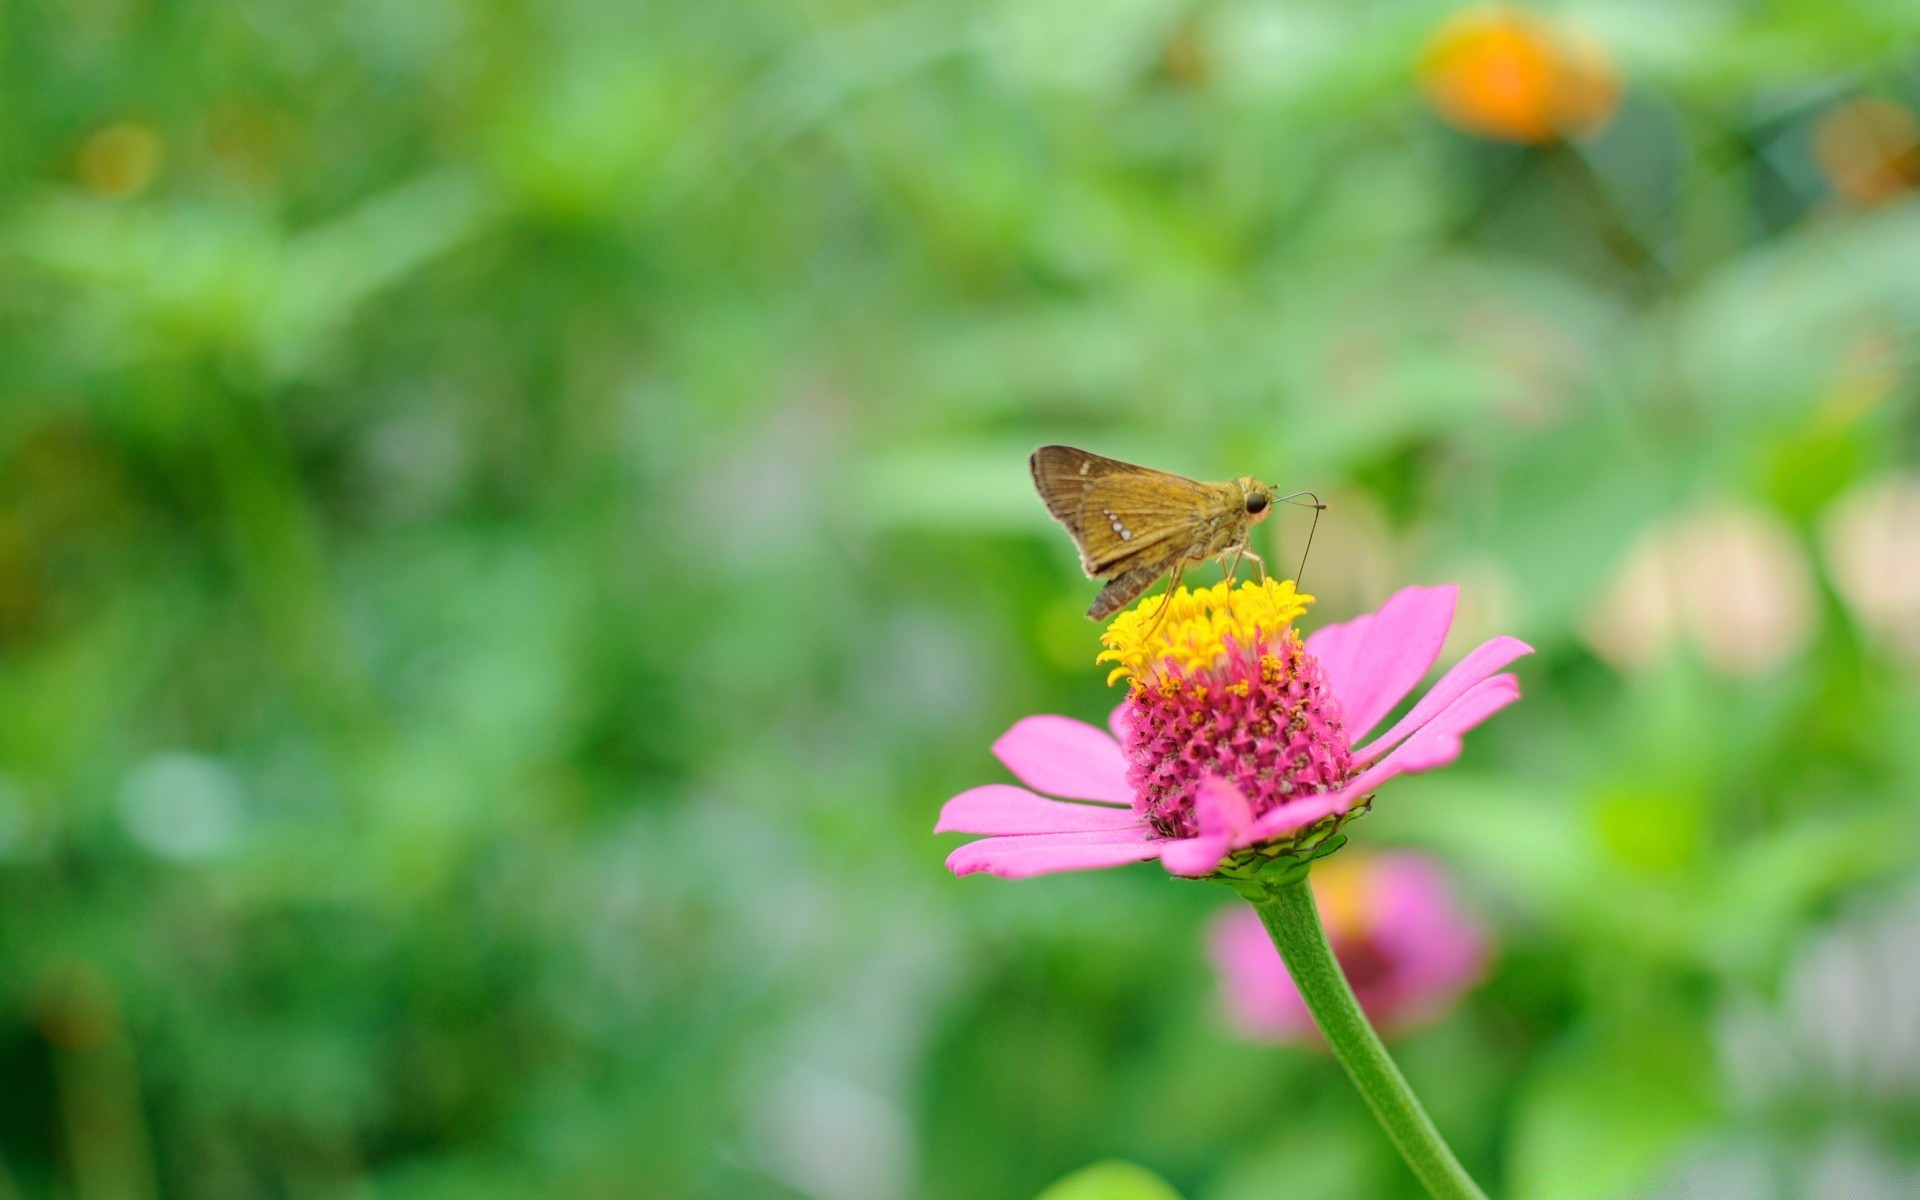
(1263, 719)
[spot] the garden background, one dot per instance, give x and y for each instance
(513, 517)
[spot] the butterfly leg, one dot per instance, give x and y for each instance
(1258, 562)
(1166, 601)
(1231, 569)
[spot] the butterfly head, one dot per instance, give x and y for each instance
(1255, 497)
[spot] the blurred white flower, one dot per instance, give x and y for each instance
(181, 806)
(1871, 541)
(832, 1139)
(1846, 1026)
(1821, 1073)
(1731, 581)
(1843, 1165)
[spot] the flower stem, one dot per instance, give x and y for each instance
(1294, 924)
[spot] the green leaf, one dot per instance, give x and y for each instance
(1608, 1107)
(1111, 1180)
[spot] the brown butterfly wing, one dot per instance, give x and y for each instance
(1124, 587)
(1120, 515)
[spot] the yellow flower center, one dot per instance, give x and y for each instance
(1196, 627)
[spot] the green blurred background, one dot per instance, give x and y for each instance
(514, 517)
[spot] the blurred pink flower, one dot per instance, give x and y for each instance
(1234, 735)
(1404, 941)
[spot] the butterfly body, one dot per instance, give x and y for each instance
(1134, 524)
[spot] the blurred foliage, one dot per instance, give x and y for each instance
(513, 517)
(1112, 1180)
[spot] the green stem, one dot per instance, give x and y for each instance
(1294, 924)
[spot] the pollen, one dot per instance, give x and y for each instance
(1222, 686)
(1199, 628)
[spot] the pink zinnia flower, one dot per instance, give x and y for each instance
(1236, 742)
(1404, 942)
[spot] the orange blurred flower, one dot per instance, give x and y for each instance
(1869, 149)
(119, 160)
(1502, 72)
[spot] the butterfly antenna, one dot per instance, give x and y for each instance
(1318, 506)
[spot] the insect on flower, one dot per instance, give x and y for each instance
(1134, 524)
(1239, 743)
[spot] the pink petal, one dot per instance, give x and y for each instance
(1003, 808)
(1486, 658)
(1195, 855)
(1064, 757)
(1437, 743)
(1336, 646)
(1296, 815)
(1220, 807)
(1117, 721)
(1223, 814)
(1021, 855)
(1394, 650)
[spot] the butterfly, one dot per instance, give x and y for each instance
(1134, 524)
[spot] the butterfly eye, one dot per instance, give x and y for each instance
(1257, 503)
